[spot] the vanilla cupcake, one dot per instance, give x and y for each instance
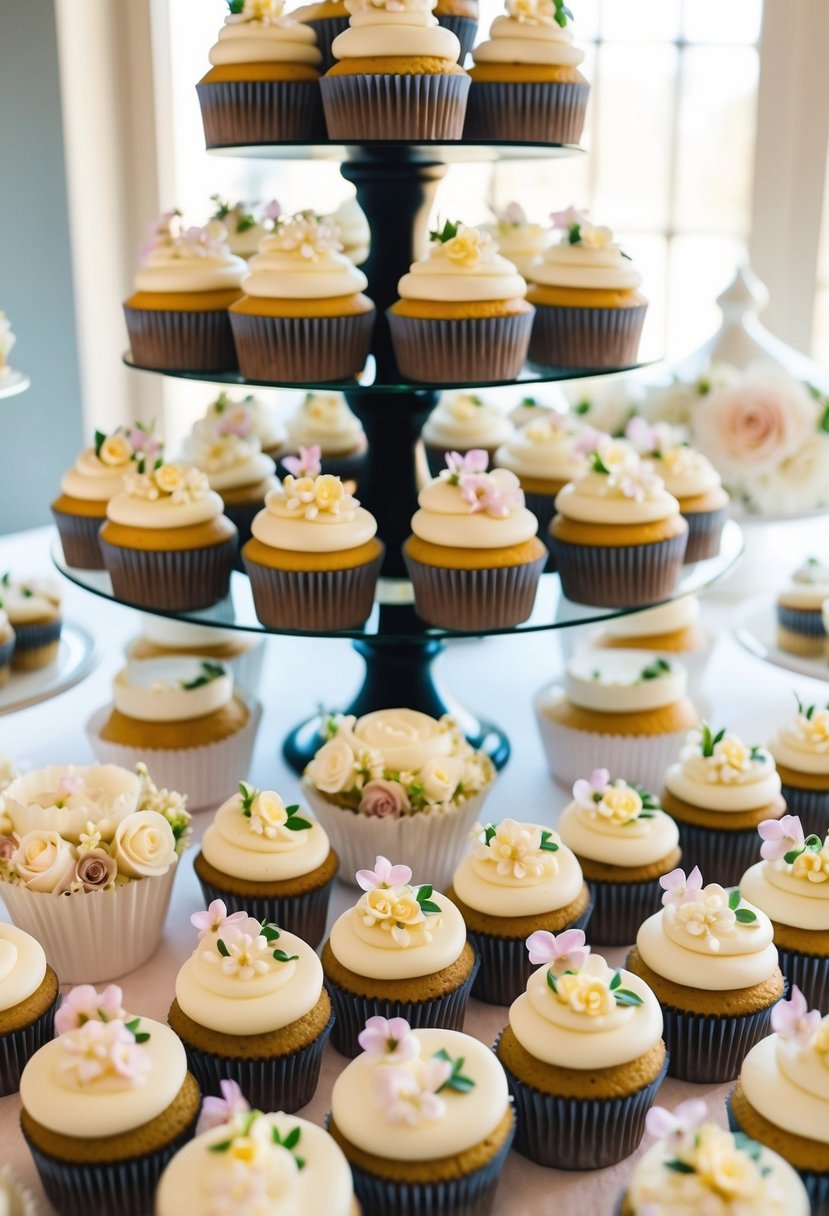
(673, 631)
(800, 625)
(29, 992)
(800, 748)
(177, 316)
(263, 83)
(248, 417)
(241, 651)
(244, 229)
(250, 1007)
(462, 316)
(324, 420)
(719, 791)
(238, 470)
(544, 455)
(583, 1054)
(354, 230)
(624, 843)
(183, 716)
(627, 707)
(709, 957)
(459, 422)
(270, 859)
(518, 239)
(303, 316)
(314, 557)
(328, 19)
(6, 646)
(518, 879)
(33, 611)
(461, 17)
(526, 85)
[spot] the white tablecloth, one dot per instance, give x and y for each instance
(497, 678)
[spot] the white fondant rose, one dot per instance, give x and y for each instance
(169, 478)
(267, 814)
(145, 846)
(332, 769)
(45, 861)
(115, 450)
(440, 777)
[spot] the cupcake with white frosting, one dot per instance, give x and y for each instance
(263, 82)
(618, 538)
(696, 1166)
(250, 1006)
(245, 228)
(473, 557)
(303, 316)
(7, 636)
(96, 477)
(270, 859)
(800, 623)
(29, 991)
(624, 843)
(710, 958)
(583, 1054)
(166, 542)
(462, 316)
(106, 1105)
(544, 455)
(328, 19)
(461, 17)
(183, 716)
(719, 791)
(325, 421)
(589, 310)
(355, 233)
(519, 879)
(447, 1152)
(460, 422)
(248, 417)
(800, 748)
(791, 885)
(314, 557)
(177, 316)
(241, 651)
(237, 469)
(526, 83)
(782, 1098)
(674, 631)
(33, 611)
(518, 239)
(626, 706)
(395, 75)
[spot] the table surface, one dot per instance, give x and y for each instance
(496, 677)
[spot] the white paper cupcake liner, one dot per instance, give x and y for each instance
(430, 843)
(207, 775)
(94, 936)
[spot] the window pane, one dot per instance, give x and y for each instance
(700, 267)
(722, 20)
(639, 20)
(650, 254)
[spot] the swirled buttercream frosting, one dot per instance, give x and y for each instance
(529, 32)
(264, 33)
(175, 688)
(468, 508)
(313, 515)
(256, 837)
(719, 772)
(302, 260)
(179, 259)
(518, 869)
(394, 28)
(463, 264)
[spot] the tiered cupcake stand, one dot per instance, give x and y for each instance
(396, 185)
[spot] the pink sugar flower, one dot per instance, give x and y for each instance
(587, 441)
(792, 1019)
(564, 951)
(218, 1112)
(84, 1004)
(389, 1037)
(571, 215)
(473, 461)
(307, 463)
(216, 919)
(687, 1117)
(679, 889)
(384, 874)
(596, 783)
(780, 836)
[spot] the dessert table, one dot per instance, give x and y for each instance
(742, 692)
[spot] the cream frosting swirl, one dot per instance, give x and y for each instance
(786, 1079)
(802, 743)
(586, 256)
(529, 33)
(545, 449)
(193, 259)
(22, 966)
(64, 798)
(171, 496)
(623, 681)
(453, 511)
(92, 480)
(313, 515)
(517, 239)
(619, 488)
(682, 613)
(464, 420)
(787, 898)
(809, 587)
(254, 836)
(363, 938)
(29, 600)
(390, 27)
(301, 260)
(263, 33)
(247, 417)
(325, 419)
(463, 264)
(723, 776)
(640, 841)
(173, 688)
(518, 869)
(686, 472)
(229, 460)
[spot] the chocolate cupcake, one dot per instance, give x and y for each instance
(29, 993)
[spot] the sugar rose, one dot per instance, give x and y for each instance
(144, 845)
(440, 777)
(384, 800)
(44, 861)
(404, 738)
(332, 769)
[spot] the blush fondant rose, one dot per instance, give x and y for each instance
(8, 847)
(384, 800)
(95, 870)
(44, 861)
(144, 845)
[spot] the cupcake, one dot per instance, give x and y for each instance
(166, 543)
(544, 455)
(473, 557)
(257, 1163)
(401, 951)
(626, 706)
(618, 539)
(530, 409)
(584, 1057)
(697, 1167)
(672, 631)
(250, 1006)
(183, 715)
(95, 478)
(519, 879)
(247, 417)
(424, 1119)
(791, 885)
(459, 423)
(105, 1106)
(29, 993)
(328, 19)
(354, 230)
(395, 75)
(719, 791)
(33, 610)
(800, 750)
(303, 315)
(461, 316)
(397, 779)
(240, 651)
(519, 240)
(177, 317)
(693, 481)
(238, 470)
(89, 855)
(244, 229)
(589, 311)
(461, 17)
(324, 420)
(263, 83)
(782, 1098)
(6, 646)
(709, 957)
(624, 843)
(314, 556)
(800, 626)
(271, 860)
(526, 83)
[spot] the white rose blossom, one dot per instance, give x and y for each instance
(45, 862)
(144, 845)
(332, 768)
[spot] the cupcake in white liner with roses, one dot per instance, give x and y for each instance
(398, 781)
(88, 855)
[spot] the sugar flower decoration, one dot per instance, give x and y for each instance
(519, 850)
(566, 219)
(307, 463)
(84, 1004)
(309, 496)
(306, 235)
(562, 951)
(498, 498)
(100, 1049)
(462, 245)
(411, 1097)
(460, 464)
(511, 216)
(218, 1112)
(216, 919)
(683, 1120)
(384, 875)
(389, 1039)
(616, 802)
(679, 889)
(780, 836)
(792, 1019)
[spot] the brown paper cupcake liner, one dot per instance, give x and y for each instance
(619, 576)
(619, 908)
(708, 1049)
(465, 30)
(181, 341)
(303, 915)
(261, 112)
(326, 30)
(798, 620)
(815, 1182)
(723, 856)
(517, 113)
(18, 1046)
(811, 805)
(391, 107)
(315, 601)
(809, 972)
(505, 963)
(460, 352)
(298, 350)
(181, 580)
(704, 533)
(474, 599)
(598, 338)
(79, 539)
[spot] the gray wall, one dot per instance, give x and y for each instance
(40, 430)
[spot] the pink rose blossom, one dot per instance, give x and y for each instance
(583, 790)
(8, 847)
(307, 463)
(687, 1117)
(216, 919)
(792, 1019)
(384, 800)
(84, 1004)
(384, 874)
(218, 1112)
(751, 427)
(565, 951)
(679, 889)
(389, 1037)
(780, 836)
(95, 870)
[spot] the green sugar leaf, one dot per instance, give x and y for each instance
(222, 948)
(734, 899)
(745, 916)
